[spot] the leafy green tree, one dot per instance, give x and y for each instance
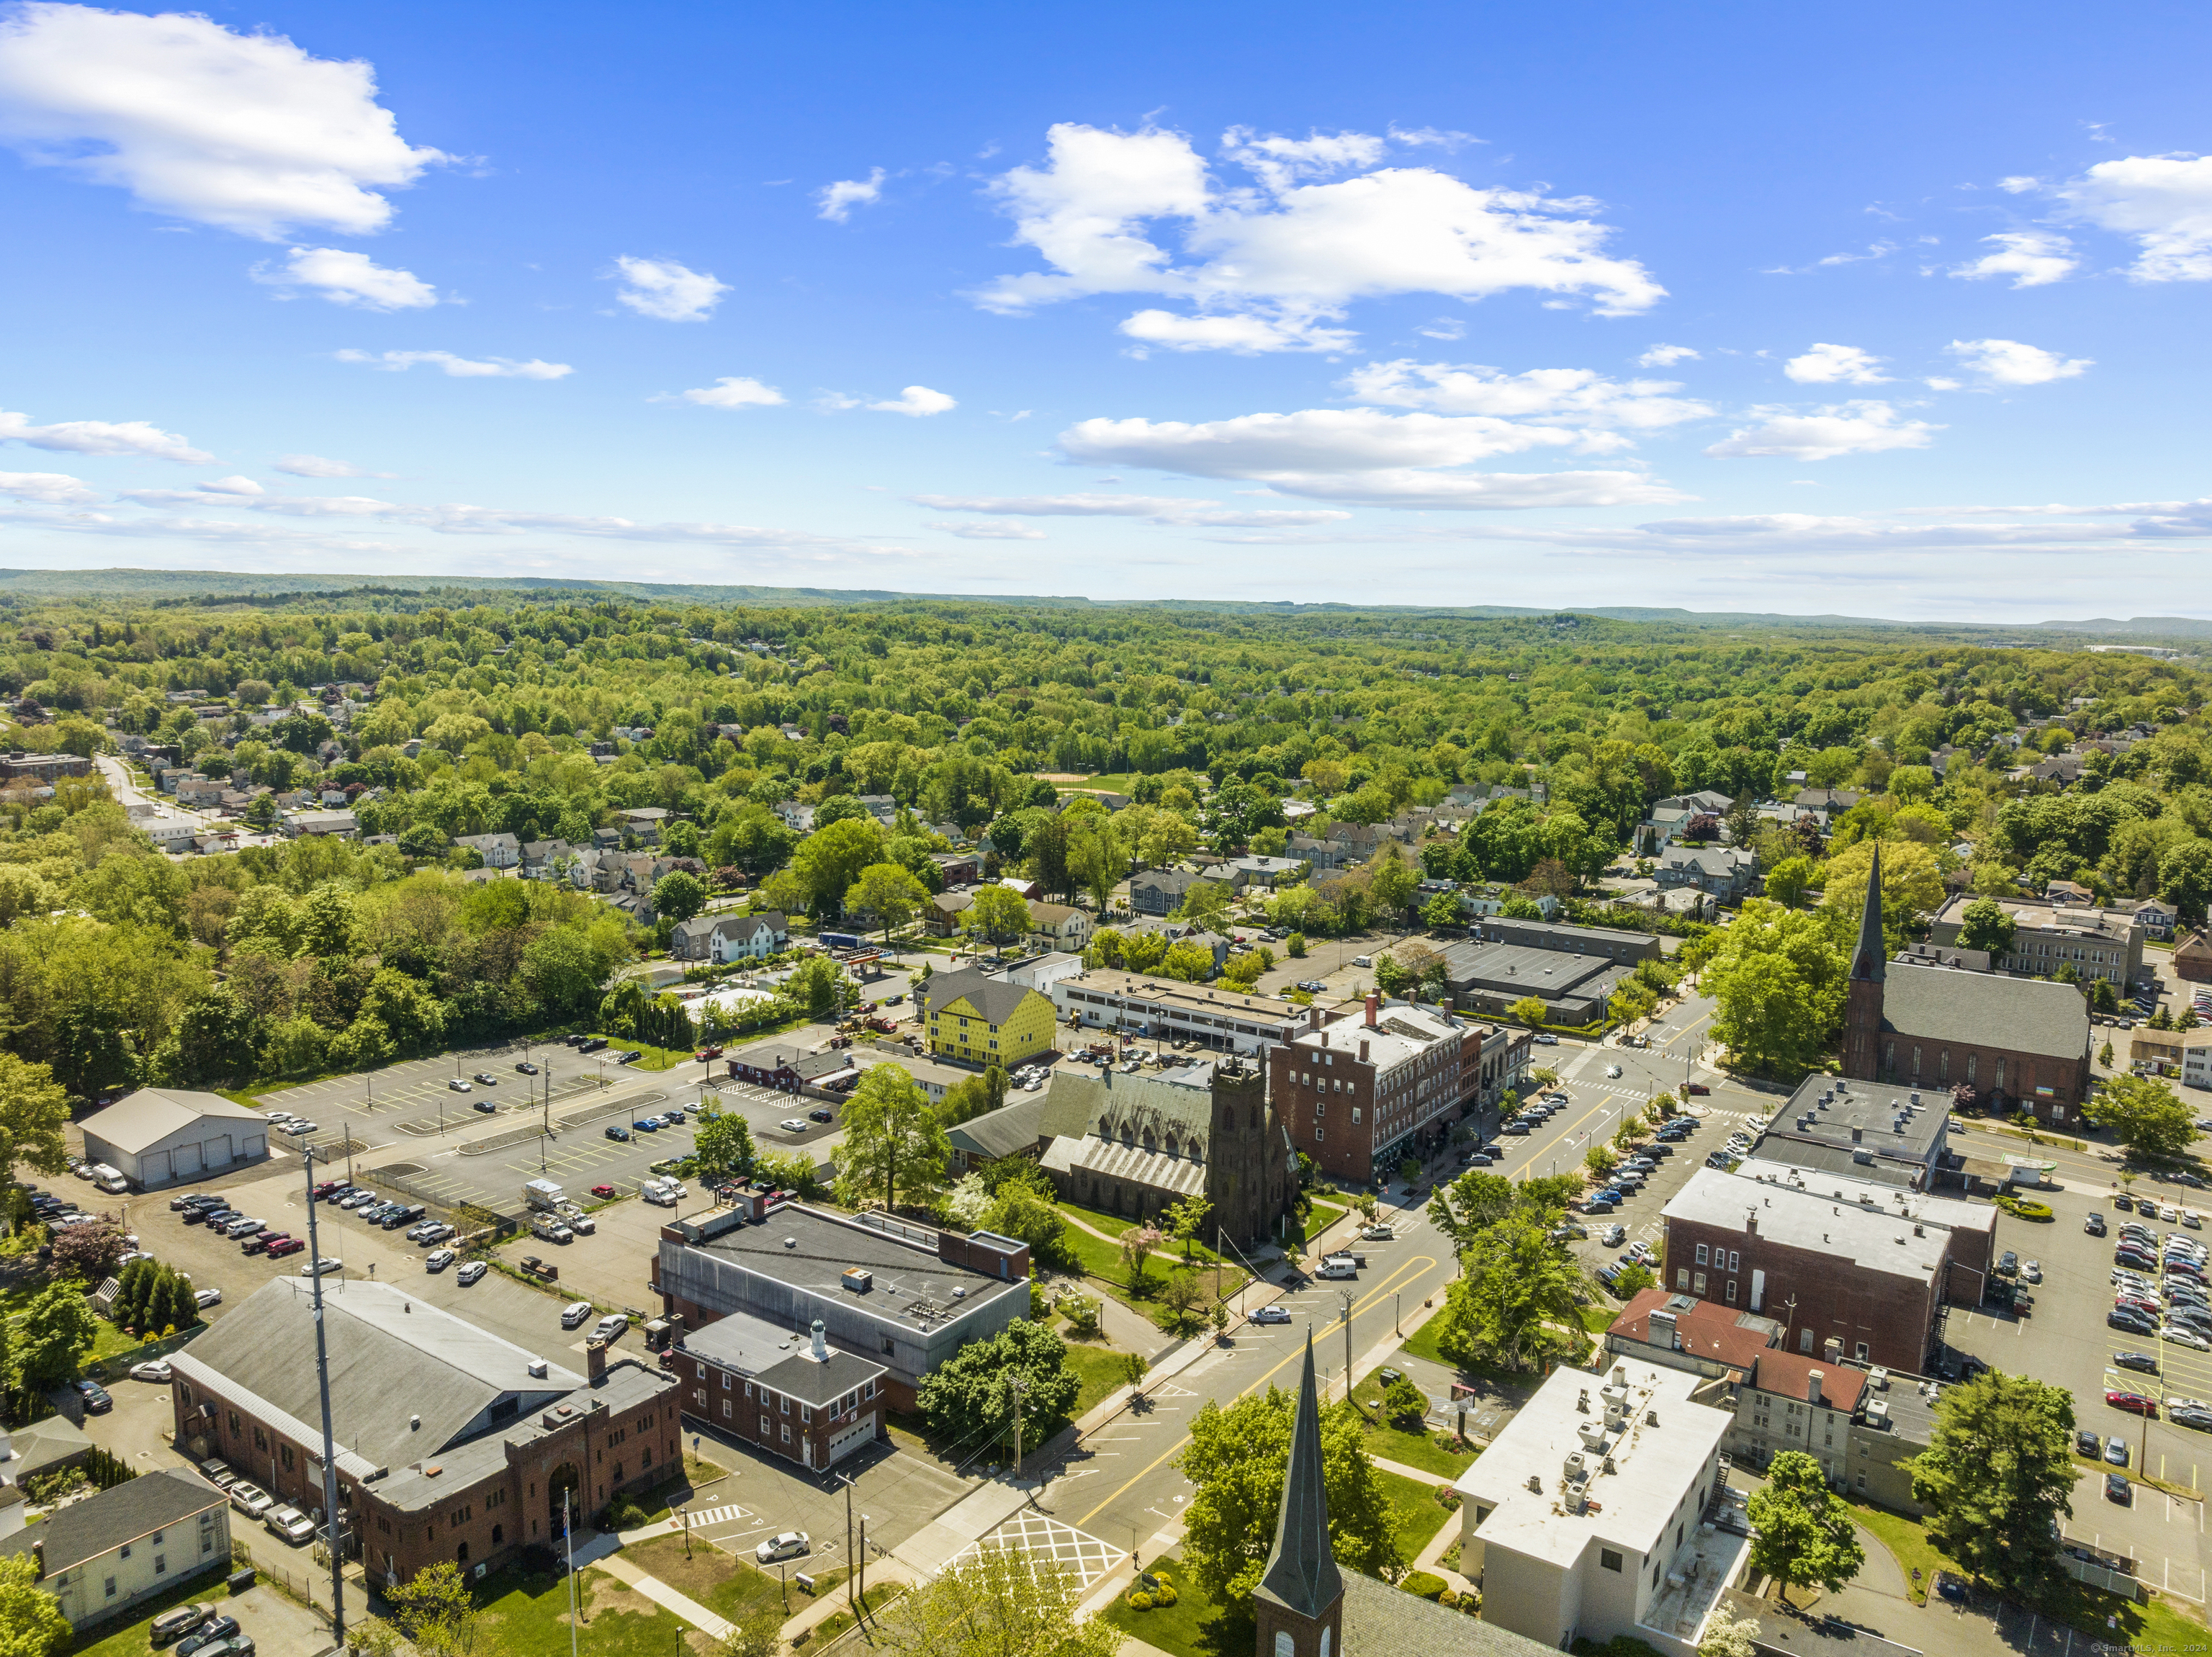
(724, 1145)
(1441, 911)
(89, 1252)
(436, 1610)
(1779, 979)
(52, 1334)
(2145, 1115)
(818, 984)
(1023, 1211)
(998, 915)
(1789, 880)
(1529, 1010)
(1728, 1636)
(31, 1620)
(1999, 1476)
(1204, 904)
(34, 1111)
(1405, 1403)
(1191, 962)
(2184, 876)
(971, 1394)
(326, 923)
(1238, 1458)
(894, 1147)
(679, 895)
(888, 892)
(830, 860)
(1986, 924)
(214, 1041)
(1801, 1531)
(1187, 1221)
(1514, 1304)
(993, 1602)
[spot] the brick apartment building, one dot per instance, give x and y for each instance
(456, 1445)
(1852, 1271)
(1357, 1097)
(812, 1406)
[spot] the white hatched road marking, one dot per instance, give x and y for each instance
(713, 1516)
(1083, 1555)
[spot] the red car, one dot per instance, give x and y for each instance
(1691, 1088)
(602, 1191)
(2134, 1402)
(327, 1187)
(706, 1053)
(284, 1245)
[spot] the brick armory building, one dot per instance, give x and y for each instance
(1357, 1097)
(792, 1396)
(902, 1296)
(1853, 1272)
(2016, 1042)
(454, 1445)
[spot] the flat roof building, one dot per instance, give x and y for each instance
(1489, 977)
(1887, 1132)
(1582, 1520)
(1166, 1009)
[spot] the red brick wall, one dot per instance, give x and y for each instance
(1319, 1122)
(1891, 1313)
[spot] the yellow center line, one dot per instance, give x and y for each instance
(1358, 1307)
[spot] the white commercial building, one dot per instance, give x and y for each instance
(159, 1135)
(1587, 1518)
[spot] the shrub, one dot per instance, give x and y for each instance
(2025, 1207)
(1448, 1498)
(1423, 1585)
(1164, 1594)
(1140, 1600)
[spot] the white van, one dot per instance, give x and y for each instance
(109, 1179)
(666, 1193)
(1339, 1265)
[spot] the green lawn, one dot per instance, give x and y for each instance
(716, 1580)
(1192, 1627)
(132, 1639)
(1599, 1318)
(1114, 1225)
(1905, 1538)
(823, 1632)
(1102, 1266)
(1422, 1343)
(526, 1616)
(108, 1342)
(1419, 1514)
(1394, 1443)
(1098, 1366)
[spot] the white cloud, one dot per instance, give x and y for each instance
(667, 291)
(2009, 363)
(1245, 333)
(2164, 202)
(1156, 509)
(345, 277)
(233, 486)
(2033, 259)
(1361, 457)
(2020, 184)
(315, 465)
(1828, 365)
(991, 532)
(243, 131)
(1297, 247)
(1938, 382)
(1444, 327)
(1666, 356)
(734, 390)
(916, 400)
(1550, 396)
(460, 367)
(45, 488)
(1855, 428)
(101, 437)
(836, 201)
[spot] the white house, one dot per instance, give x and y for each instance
(497, 850)
(725, 938)
(140, 1538)
(159, 1135)
(1583, 1520)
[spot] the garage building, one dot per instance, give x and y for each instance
(161, 1136)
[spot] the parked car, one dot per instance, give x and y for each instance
(2094, 1225)
(250, 1499)
(830, 1116)
(524, 1067)
(2134, 1402)
(469, 1273)
(288, 1522)
(438, 1259)
(1270, 1314)
(175, 1624)
(298, 1127)
(786, 1544)
(793, 1124)
(96, 1399)
(603, 1192)
(207, 1635)
(486, 1079)
(574, 1314)
(457, 1086)
(647, 1124)
(618, 1131)
(490, 1107)
(155, 1370)
(2087, 1443)
(285, 1245)
(2117, 1488)
(323, 1266)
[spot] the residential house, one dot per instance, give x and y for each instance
(1056, 926)
(1160, 891)
(975, 1018)
(1726, 873)
(200, 792)
(942, 918)
(149, 1535)
(1267, 871)
(958, 868)
(798, 818)
(1832, 801)
(497, 850)
(722, 939)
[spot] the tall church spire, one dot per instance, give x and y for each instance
(1297, 1603)
(1869, 962)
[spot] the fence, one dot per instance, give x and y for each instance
(113, 1369)
(464, 1217)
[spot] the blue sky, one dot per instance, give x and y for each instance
(1891, 311)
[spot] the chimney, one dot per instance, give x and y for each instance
(595, 1362)
(1751, 1225)
(1374, 1001)
(821, 1344)
(1661, 1331)
(1363, 1045)
(1856, 1134)
(1813, 1387)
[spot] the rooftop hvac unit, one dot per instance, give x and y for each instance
(1593, 1436)
(1616, 1393)
(1578, 1501)
(859, 1279)
(1878, 1413)
(1577, 1468)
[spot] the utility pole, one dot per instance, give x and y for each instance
(1346, 1293)
(568, 1536)
(1017, 1429)
(329, 1449)
(851, 1604)
(861, 1567)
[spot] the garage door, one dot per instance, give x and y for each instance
(185, 1160)
(860, 1433)
(216, 1152)
(154, 1169)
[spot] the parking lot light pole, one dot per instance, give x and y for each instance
(329, 1449)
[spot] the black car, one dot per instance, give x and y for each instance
(2087, 1443)
(592, 1044)
(2117, 1488)
(2199, 1419)
(821, 1116)
(618, 1131)
(206, 1634)
(486, 1106)
(2007, 1264)
(574, 1041)
(2141, 1360)
(2094, 1225)
(2134, 1322)
(96, 1399)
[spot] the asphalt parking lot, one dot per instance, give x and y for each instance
(898, 1490)
(2064, 1340)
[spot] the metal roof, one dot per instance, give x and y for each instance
(152, 1114)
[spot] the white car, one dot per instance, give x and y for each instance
(321, 1268)
(250, 1499)
(279, 1116)
(2181, 1336)
(610, 1326)
(205, 1298)
(438, 1259)
(457, 1086)
(793, 1124)
(788, 1544)
(2031, 1271)
(470, 1273)
(1270, 1314)
(157, 1370)
(297, 1126)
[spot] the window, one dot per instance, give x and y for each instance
(787, 1433)
(1805, 1345)
(1702, 1252)
(1355, 1116)
(160, 1564)
(1862, 1481)
(783, 1406)
(1862, 1349)
(1731, 1291)
(1608, 1559)
(1682, 1279)
(763, 1431)
(1698, 1283)
(1735, 1260)
(287, 1449)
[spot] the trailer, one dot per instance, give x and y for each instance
(543, 1194)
